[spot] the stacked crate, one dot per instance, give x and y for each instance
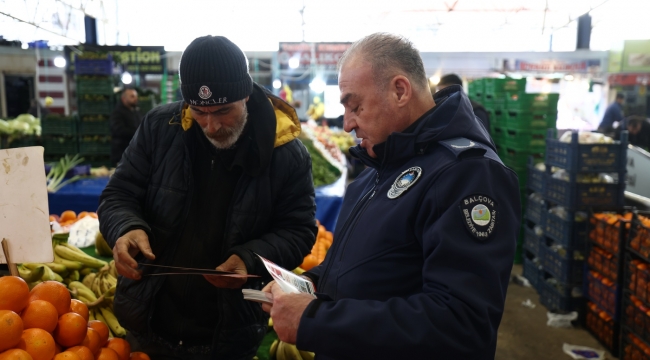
(95, 104)
(635, 312)
(556, 217)
(59, 136)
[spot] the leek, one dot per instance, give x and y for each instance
(55, 176)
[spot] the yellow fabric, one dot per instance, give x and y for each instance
(287, 122)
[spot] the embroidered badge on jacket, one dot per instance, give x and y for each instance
(404, 181)
(479, 215)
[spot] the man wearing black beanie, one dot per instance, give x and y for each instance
(207, 182)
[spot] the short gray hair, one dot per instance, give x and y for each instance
(388, 54)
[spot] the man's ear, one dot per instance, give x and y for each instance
(401, 89)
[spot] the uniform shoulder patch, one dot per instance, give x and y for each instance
(479, 214)
(460, 145)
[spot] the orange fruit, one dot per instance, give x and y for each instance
(77, 306)
(93, 215)
(122, 348)
(92, 340)
(139, 356)
(71, 330)
(40, 314)
(15, 354)
(309, 262)
(67, 355)
(53, 292)
(11, 329)
(107, 354)
(38, 343)
(14, 297)
(68, 215)
(102, 330)
(82, 215)
(83, 352)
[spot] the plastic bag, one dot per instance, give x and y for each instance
(561, 320)
(583, 352)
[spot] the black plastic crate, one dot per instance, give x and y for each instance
(21, 141)
(632, 346)
(558, 297)
(532, 241)
(95, 146)
(603, 262)
(536, 209)
(564, 264)
(60, 145)
(59, 125)
(94, 66)
(94, 86)
(603, 327)
(95, 107)
(570, 233)
(536, 178)
(96, 127)
(575, 195)
(532, 271)
(635, 316)
(604, 292)
(574, 156)
(639, 236)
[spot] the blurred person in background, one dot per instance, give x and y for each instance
(124, 121)
(638, 131)
(478, 109)
(613, 114)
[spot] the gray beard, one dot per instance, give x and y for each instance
(228, 137)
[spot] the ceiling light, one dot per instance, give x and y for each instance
(568, 77)
(435, 79)
(317, 86)
(294, 62)
(277, 84)
(127, 78)
(59, 62)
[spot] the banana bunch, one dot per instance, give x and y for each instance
(103, 283)
(105, 315)
(281, 350)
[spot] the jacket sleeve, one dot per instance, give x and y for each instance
(121, 124)
(120, 205)
(464, 280)
(293, 225)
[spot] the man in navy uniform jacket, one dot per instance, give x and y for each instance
(426, 237)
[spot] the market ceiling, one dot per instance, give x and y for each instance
(434, 25)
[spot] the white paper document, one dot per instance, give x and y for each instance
(288, 281)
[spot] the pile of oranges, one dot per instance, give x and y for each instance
(45, 324)
(636, 349)
(70, 217)
(606, 229)
(323, 242)
(602, 290)
(601, 324)
(641, 236)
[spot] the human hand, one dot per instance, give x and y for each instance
(125, 250)
(234, 264)
(286, 311)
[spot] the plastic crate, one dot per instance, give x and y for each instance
(97, 127)
(95, 86)
(493, 102)
(574, 195)
(476, 88)
(98, 161)
(557, 297)
(538, 120)
(94, 66)
(497, 85)
(499, 136)
(21, 141)
(603, 262)
(637, 278)
(639, 236)
(602, 327)
(519, 159)
(532, 271)
(60, 145)
(565, 264)
(586, 157)
(59, 125)
(635, 316)
(610, 229)
(632, 347)
(530, 102)
(95, 147)
(604, 292)
(95, 108)
(533, 242)
(566, 232)
(533, 141)
(536, 212)
(536, 178)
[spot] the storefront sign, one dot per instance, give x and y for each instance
(558, 66)
(306, 54)
(636, 56)
(134, 59)
(629, 79)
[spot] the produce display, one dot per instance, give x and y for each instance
(323, 242)
(58, 171)
(24, 124)
(323, 172)
(343, 140)
(281, 350)
(587, 137)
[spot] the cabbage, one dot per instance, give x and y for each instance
(5, 128)
(26, 118)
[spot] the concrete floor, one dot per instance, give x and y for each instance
(523, 334)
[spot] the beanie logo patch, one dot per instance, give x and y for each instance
(204, 92)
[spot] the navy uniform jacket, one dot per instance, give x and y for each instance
(423, 247)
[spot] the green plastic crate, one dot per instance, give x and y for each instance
(520, 120)
(519, 159)
(95, 146)
(530, 102)
(97, 127)
(22, 141)
(525, 140)
(496, 85)
(95, 107)
(492, 102)
(60, 145)
(59, 125)
(476, 88)
(499, 136)
(95, 86)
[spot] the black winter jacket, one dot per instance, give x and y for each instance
(271, 213)
(123, 122)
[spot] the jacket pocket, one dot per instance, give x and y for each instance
(132, 304)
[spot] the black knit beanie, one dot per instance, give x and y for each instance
(214, 71)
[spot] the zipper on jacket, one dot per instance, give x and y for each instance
(344, 229)
(356, 218)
